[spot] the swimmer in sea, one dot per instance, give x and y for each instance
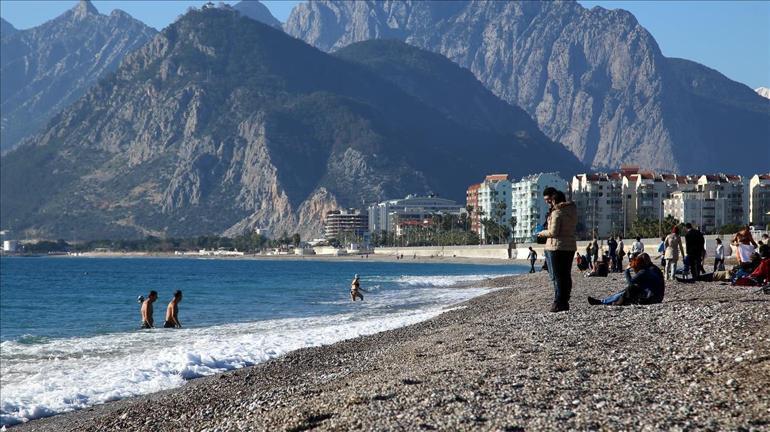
(355, 289)
(172, 311)
(147, 321)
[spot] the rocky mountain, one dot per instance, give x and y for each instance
(6, 28)
(257, 11)
(763, 91)
(594, 80)
(46, 68)
(222, 124)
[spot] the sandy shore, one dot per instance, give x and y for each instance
(700, 360)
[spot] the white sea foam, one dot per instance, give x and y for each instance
(441, 280)
(61, 375)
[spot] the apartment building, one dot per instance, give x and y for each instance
(350, 222)
(492, 200)
(733, 189)
(599, 199)
(704, 209)
(527, 204)
(759, 200)
(644, 193)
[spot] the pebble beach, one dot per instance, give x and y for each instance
(501, 361)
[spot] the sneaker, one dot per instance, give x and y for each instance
(594, 301)
(555, 307)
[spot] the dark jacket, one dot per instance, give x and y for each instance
(694, 242)
(647, 286)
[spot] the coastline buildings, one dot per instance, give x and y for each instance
(350, 222)
(388, 216)
(599, 199)
(492, 201)
(759, 200)
(729, 187)
(644, 193)
(704, 209)
(527, 204)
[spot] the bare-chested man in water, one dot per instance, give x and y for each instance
(147, 321)
(172, 311)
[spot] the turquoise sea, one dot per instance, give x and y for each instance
(69, 326)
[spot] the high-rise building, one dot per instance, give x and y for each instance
(733, 189)
(599, 199)
(704, 209)
(345, 222)
(472, 206)
(494, 201)
(644, 192)
(527, 204)
(759, 200)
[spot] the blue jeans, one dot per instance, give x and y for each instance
(560, 270)
(613, 298)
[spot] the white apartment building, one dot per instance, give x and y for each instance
(705, 210)
(759, 200)
(733, 189)
(644, 192)
(599, 199)
(494, 195)
(527, 204)
(383, 215)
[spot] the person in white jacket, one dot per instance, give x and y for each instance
(719, 256)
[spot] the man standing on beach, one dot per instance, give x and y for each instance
(532, 257)
(693, 245)
(147, 321)
(172, 311)
(560, 245)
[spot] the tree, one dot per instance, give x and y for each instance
(296, 239)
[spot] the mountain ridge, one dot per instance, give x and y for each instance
(593, 79)
(47, 67)
(222, 124)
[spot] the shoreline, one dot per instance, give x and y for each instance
(320, 258)
(498, 361)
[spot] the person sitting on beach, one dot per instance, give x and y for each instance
(647, 286)
(355, 289)
(761, 274)
(744, 245)
(172, 311)
(581, 262)
(601, 268)
(742, 272)
(146, 310)
(637, 247)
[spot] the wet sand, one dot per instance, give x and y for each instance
(700, 360)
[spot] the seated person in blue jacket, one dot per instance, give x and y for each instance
(646, 286)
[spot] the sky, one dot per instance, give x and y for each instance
(732, 37)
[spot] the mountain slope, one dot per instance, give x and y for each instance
(6, 28)
(594, 80)
(46, 68)
(257, 11)
(222, 124)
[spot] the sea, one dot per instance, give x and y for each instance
(69, 327)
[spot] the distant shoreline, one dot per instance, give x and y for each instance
(372, 257)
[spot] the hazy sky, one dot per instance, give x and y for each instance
(732, 37)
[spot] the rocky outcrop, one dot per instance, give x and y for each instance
(46, 68)
(594, 80)
(222, 124)
(257, 11)
(763, 91)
